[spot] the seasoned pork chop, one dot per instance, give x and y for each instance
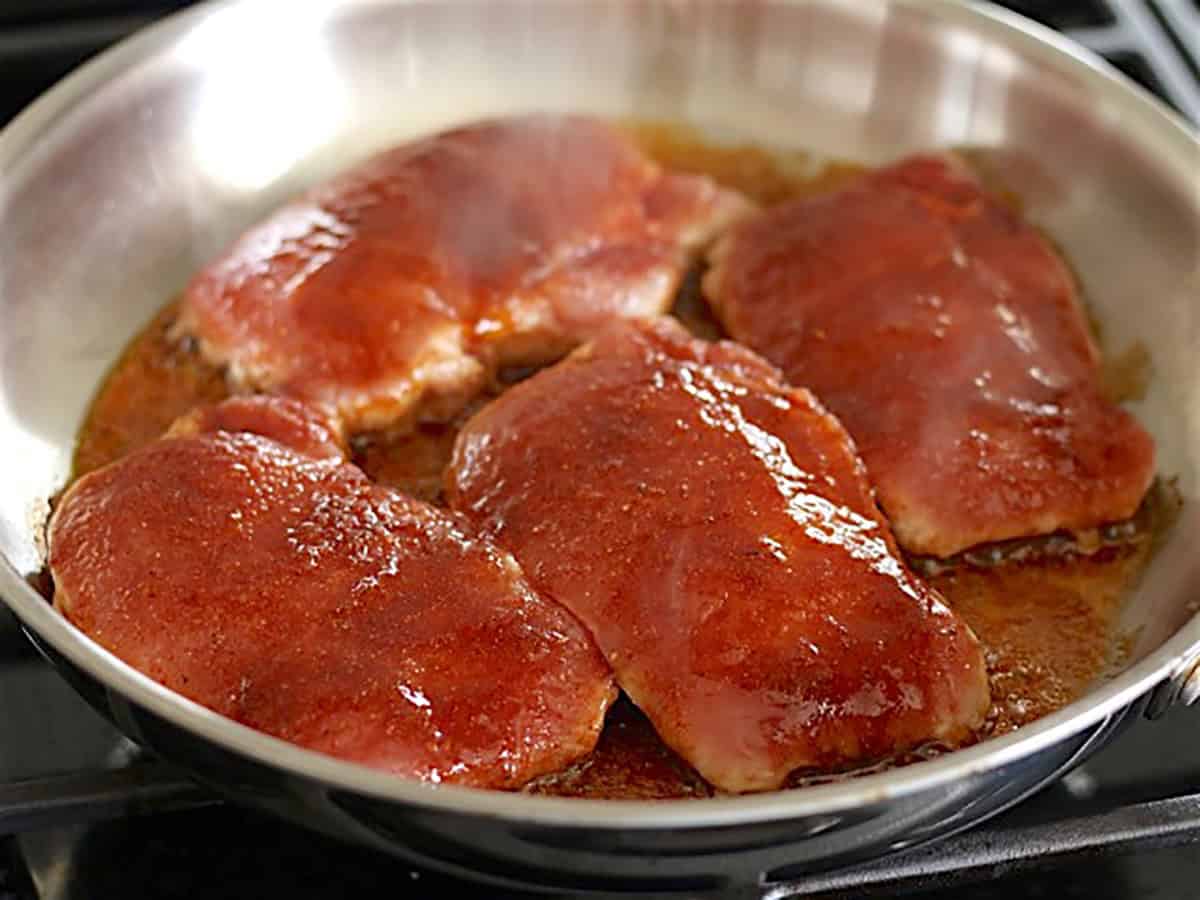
(280, 588)
(948, 337)
(716, 532)
(408, 279)
(305, 429)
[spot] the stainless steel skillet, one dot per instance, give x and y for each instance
(138, 168)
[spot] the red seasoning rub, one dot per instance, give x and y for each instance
(408, 279)
(716, 532)
(297, 426)
(276, 585)
(947, 336)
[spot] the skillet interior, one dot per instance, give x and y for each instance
(1047, 614)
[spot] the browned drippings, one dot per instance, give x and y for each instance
(156, 380)
(1127, 374)
(412, 463)
(1046, 626)
(629, 762)
(1045, 613)
(765, 176)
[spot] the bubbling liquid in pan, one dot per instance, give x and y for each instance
(1045, 613)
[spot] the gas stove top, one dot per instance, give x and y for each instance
(84, 815)
(89, 818)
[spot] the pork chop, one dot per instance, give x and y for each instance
(394, 290)
(276, 585)
(948, 337)
(715, 530)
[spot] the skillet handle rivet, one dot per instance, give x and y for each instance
(1189, 688)
(1183, 689)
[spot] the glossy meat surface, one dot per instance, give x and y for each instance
(947, 336)
(394, 290)
(287, 592)
(716, 532)
(296, 425)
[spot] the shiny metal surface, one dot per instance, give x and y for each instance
(134, 171)
(1189, 690)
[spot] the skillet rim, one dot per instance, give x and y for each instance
(1165, 135)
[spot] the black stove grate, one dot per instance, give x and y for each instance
(43, 40)
(1154, 42)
